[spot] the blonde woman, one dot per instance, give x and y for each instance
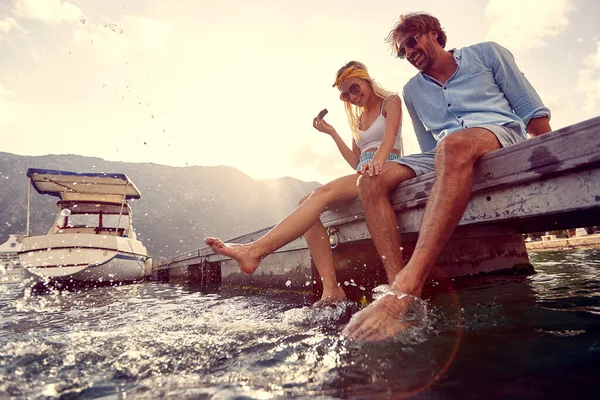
(374, 115)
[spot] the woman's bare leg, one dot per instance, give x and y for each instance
(318, 243)
(291, 227)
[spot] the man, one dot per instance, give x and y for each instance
(468, 102)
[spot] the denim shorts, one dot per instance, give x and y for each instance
(420, 163)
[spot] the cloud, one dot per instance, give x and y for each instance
(589, 82)
(7, 24)
(324, 165)
(8, 109)
(49, 11)
(129, 36)
(149, 31)
(529, 27)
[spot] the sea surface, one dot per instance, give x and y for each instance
(517, 337)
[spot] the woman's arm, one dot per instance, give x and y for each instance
(352, 157)
(392, 110)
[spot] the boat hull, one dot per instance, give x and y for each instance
(11, 273)
(85, 258)
(10, 266)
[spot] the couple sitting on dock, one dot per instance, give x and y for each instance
(463, 104)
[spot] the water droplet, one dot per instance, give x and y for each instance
(288, 283)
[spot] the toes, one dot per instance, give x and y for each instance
(212, 241)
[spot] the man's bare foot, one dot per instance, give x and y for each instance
(387, 316)
(239, 252)
(330, 296)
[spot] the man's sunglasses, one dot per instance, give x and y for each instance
(353, 89)
(410, 43)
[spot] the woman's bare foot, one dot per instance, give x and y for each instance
(330, 296)
(239, 252)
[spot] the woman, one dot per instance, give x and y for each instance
(374, 115)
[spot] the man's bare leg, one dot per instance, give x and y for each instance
(291, 227)
(455, 159)
(380, 216)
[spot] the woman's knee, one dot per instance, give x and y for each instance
(322, 193)
(305, 197)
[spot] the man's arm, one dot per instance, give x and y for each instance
(521, 95)
(424, 137)
(538, 126)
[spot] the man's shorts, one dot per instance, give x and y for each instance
(507, 134)
(420, 163)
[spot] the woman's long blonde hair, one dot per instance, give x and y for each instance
(354, 112)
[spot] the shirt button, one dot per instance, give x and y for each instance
(449, 104)
(445, 88)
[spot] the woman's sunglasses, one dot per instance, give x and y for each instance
(353, 89)
(411, 42)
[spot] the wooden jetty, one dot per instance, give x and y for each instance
(548, 182)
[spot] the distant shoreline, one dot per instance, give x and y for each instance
(564, 244)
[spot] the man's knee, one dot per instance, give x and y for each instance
(452, 149)
(368, 188)
(465, 147)
(371, 187)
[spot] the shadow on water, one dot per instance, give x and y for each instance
(534, 336)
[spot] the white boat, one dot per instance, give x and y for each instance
(10, 265)
(92, 239)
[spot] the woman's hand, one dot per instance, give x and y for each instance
(322, 126)
(371, 168)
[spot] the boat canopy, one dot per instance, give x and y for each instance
(74, 186)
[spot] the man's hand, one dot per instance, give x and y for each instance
(538, 126)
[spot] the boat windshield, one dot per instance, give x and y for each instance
(92, 218)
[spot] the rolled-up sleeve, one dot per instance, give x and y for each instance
(519, 92)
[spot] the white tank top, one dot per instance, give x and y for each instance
(372, 137)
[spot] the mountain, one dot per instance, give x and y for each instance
(178, 208)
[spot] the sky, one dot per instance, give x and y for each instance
(238, 82)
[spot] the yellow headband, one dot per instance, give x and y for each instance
(350, 72)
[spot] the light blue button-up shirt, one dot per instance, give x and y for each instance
(486, 88)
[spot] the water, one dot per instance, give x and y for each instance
(496, 337)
